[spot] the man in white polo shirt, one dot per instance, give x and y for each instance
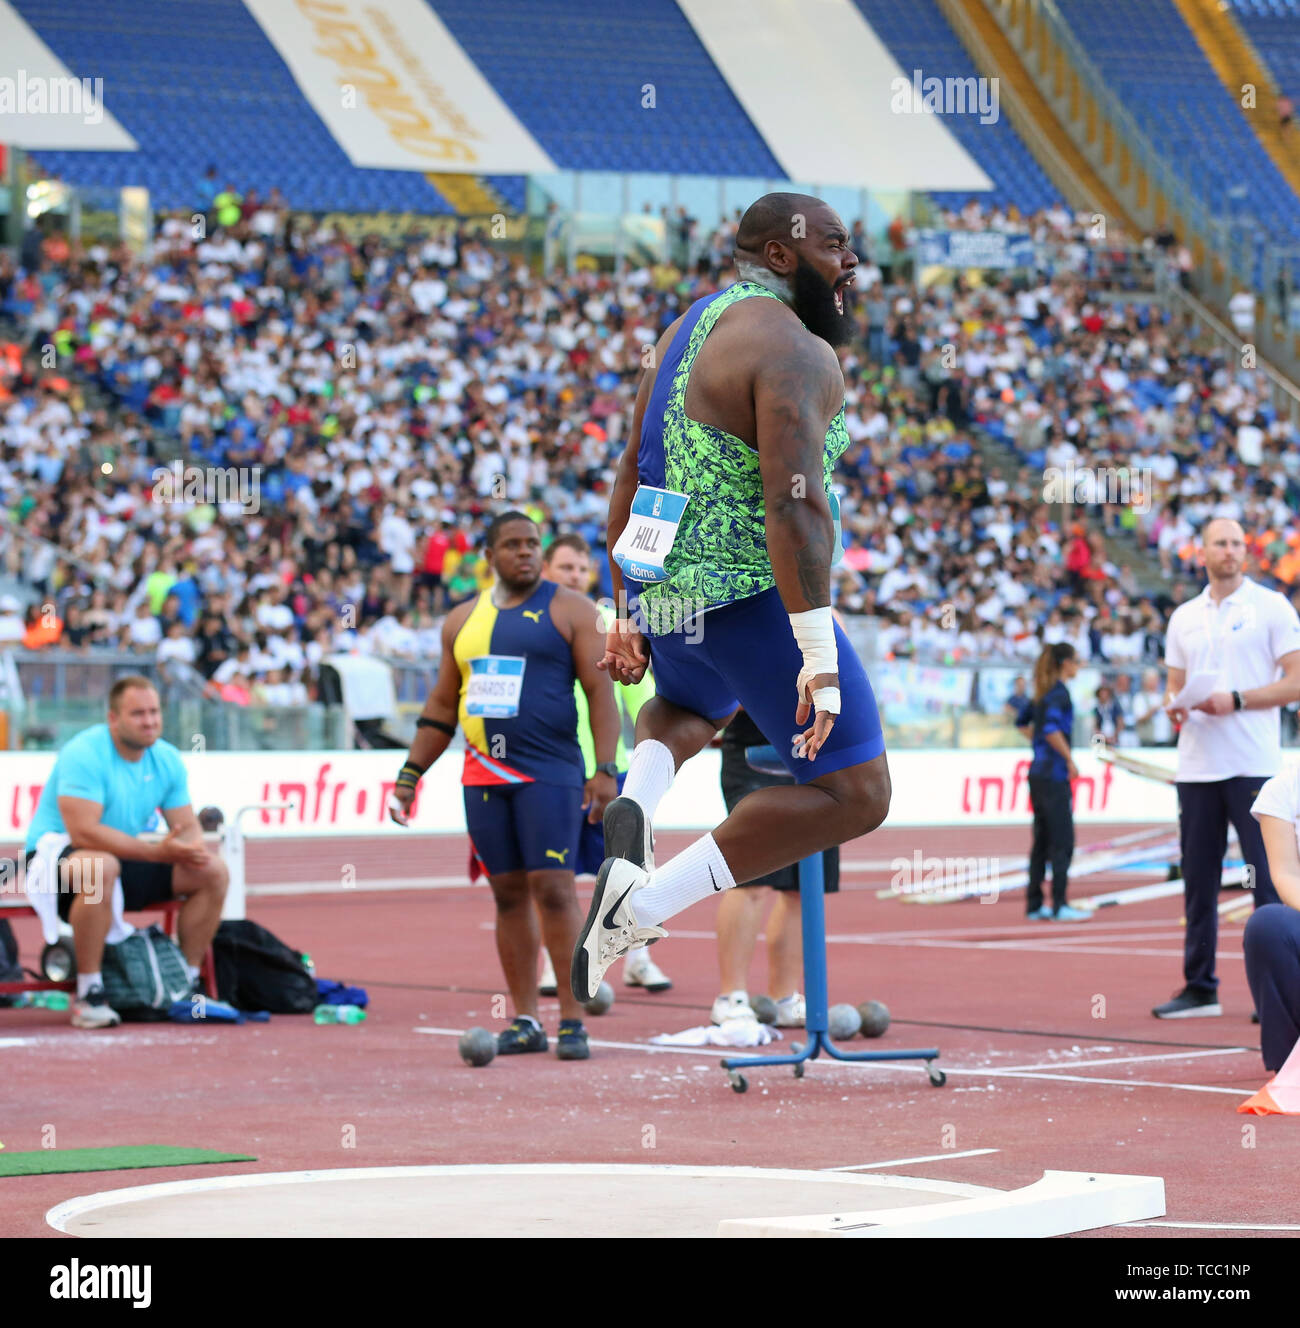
(1247, 639)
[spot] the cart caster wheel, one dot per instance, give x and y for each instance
(739, 1083)
(798, 1071)
(58, 962)
(937, 1077)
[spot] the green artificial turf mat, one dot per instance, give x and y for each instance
(49, 1161)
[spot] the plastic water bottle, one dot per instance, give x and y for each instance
(338, 1014)
(42, 1000)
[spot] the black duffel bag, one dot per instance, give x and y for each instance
(257, 971)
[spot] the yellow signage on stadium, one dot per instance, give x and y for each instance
(363, 70)
(395, 88)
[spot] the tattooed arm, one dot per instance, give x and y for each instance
(797, 393)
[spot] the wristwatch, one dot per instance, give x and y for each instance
(1238, 701)
(607, 768)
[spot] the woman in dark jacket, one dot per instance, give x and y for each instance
(1050, 790)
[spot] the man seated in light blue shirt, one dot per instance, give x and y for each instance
(101, 796)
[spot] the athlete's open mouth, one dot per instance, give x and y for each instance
(839, 294)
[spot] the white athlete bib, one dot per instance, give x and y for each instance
(649, 534)
(495, 685)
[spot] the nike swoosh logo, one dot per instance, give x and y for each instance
(714, 879)
(608, 919)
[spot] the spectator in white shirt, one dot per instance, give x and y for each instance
(1245, 642)
(12, 628)
(397, 539)
(240, 666)
(1153, 726)
(176, 645)
(143, 632)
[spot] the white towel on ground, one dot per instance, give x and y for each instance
(734, 1033)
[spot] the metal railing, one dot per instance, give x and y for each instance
(1061, 171)
(194, 725)
(1243, 247)
(65, 691)
(925, 703)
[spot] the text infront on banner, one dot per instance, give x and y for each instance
(345, 793)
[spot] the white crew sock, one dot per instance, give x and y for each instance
(85, 981)
(694, 874)
(191, 971)
(649, 775)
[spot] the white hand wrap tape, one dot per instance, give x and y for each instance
(827, 699)
(814, 631)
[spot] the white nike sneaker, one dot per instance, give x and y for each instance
(642, 971)
(628, 833)
(93, 1011)
(611, 929)
(732, 1005)
(546, 984)
(791, 1011)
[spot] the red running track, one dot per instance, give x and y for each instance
(1053, 1058)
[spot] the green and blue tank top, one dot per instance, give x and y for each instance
(720, 551)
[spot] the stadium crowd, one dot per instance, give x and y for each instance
(250, 447)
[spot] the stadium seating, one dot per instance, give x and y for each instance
(576, 86)
(209, 91)
(216, 92)
(1273, 27)
(1150, 58)
(919, 37)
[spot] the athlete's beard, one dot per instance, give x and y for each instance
(814, 302)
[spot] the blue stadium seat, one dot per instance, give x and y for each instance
(1148, 55)
(1273, 27)
(208, 90)
(576, 85)
(919, 37)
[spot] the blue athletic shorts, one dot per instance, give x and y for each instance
(745, 654)
(523, 827)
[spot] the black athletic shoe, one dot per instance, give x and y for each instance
(1190, 1003)
(571, 1045)
(523, 1035)
(628, 833)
